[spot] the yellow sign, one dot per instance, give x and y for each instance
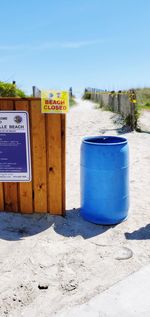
(53, 101)
(132, 97)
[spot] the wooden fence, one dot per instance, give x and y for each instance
(119, 102)
(46, 192)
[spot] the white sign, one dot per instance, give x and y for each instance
(15, 158)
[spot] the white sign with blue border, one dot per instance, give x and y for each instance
(15, 158)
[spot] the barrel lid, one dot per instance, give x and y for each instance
(105, 140)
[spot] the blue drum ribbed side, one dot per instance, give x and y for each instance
(104, 179)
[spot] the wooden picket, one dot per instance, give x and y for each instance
(46, 191)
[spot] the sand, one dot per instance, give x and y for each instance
(48, 263)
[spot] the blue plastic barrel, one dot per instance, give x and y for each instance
(104, 179)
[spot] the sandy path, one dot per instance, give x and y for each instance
(144, 121)
(74, 259)
(83, 120)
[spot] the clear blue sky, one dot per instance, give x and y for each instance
(62, 43)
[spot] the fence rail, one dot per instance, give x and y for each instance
(46, 192)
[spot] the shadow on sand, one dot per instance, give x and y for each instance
(15, 226)
(142, 131)
(123, 130)
(142, 233)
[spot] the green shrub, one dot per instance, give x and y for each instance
(10, 90)
(143, 97)
(87, 95)
(72, 101)
(147, 104)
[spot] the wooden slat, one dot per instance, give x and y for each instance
(11, 199)
(53, 124)
(24, 189)
(63, 160)
(10, 189)
(38, 157)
